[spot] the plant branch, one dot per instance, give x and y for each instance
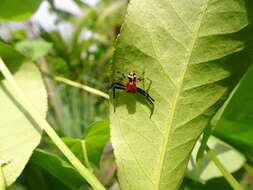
(207, 133)
(230, 179)
(81, 86)
(248, 168)
(85, 155)
(22, 99)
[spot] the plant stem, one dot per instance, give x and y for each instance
(85, 155)
(207, 133)
(21, 98)
(2, 180)
(230, 179)
(81, 86)
(248, 168)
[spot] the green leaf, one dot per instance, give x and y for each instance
(235, 124)
(10, 56)
(18, 134)
(206, 169)
(75, 146)
(186, 48)
(58, 168)
(96, 137)
(16, 10)
(34, 48)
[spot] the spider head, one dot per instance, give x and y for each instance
(131, 77)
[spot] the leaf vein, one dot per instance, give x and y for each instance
(171, 119)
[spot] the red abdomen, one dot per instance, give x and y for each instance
(131, 87)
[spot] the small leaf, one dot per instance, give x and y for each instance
(16, 10)
(75, 146)
(58, 168)
(10, 56)
(206, 169)
(96, 137)
(18, 134)
(34, 49)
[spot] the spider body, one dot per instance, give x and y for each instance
(131, 83)
(131, 87)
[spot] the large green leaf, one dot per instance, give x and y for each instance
(185, 48)
(18, 134)
(235, 124)
(58, 168)
(15, 10)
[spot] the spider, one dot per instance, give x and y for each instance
(131, 87)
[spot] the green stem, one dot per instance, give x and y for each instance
(230, 179)
(85, 155)
(2, 180)
(21, 98)
(81, 86)
(207, 133)
(248, 168)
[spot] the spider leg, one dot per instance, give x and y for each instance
(149, 98)
(115, 86)
(118, 84)
(144, 93)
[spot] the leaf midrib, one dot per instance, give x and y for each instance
(174, 106)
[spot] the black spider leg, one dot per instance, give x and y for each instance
(149, 98)
(145, 91)
(115, 86)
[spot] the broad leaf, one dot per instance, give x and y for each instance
(185, 48)
(235, 124)
(16, 10)
(58, 168)
(18, 134)
(206, 169)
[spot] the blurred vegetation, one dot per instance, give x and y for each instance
(84, 57)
